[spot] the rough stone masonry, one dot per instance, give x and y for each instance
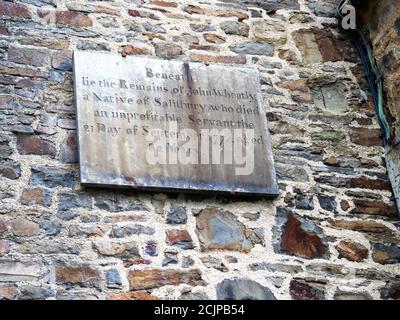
(332, 234)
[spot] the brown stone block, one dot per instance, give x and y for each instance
(156, 278)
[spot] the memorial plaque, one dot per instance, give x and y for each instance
(168, 125)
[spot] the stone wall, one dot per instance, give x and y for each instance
(382, 21)
(333, 232)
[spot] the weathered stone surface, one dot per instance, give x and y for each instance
(216, 13)
(366, 137)
(301, 290)
(126, 250)
(359, 225)
(276, 267)
(352, 251)
(269, 30)
(7, 292)
(80, 275)
(391, 291)
(272, 5)
(129, 49)
(30, 292)
(113, 279)
(35, 145)
(298, 236)
(69, 148)
(304, 202)
(85, 231)
(113, 202)
(327, 203)
(71, 19)
(10, 9)
(243, 289)
(180, 238)
(366, 183)
(19, 271)
(135, 295)
(129, 230)
(214, 263)
(343, 295)
(219, 230)
(168, 50)
(213, 38)
(32, 196)
(194, 296)
(69, 201)
(236, 28)
(24, 228)
(379, 208)
(10, 170)
(300, 92)
(208, 59)
(254, 48)
(331, 97)
(5, 247)
(51, 177)
(385, 254)
(33, 57)
(318, 45)
(156, 278)
(176, 215)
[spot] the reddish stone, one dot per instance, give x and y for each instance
(156, 278)
(135, 262)
(3, 30)
(24, 228)
(175, 236)
(34, 196)
(300, 290)
(213, 38)
(299, 90)
(85, 231)
(7, 291)
(129, 49)
(207, 59)
(195, 46)
(84, 276)
(134, 13)
(167, 4)
(5, 247)
(29, 56)
(359, 225)
(373, 184)
(35, 145)
(379, 208)
(363, 121)
(366, 137)
(215, 12)
(23, 72)
(168, 50)
(69, 148)
(352, 251)
(73, 19)
(10, 9)
(344, 204)
(299, 242)
(135, 295)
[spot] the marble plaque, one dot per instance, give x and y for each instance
(168, 125)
